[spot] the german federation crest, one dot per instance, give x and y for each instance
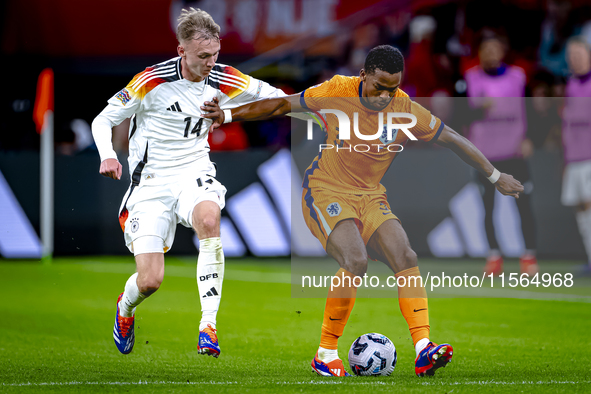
(333, 209)
(384, 137)
(135, 225)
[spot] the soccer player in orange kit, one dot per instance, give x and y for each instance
(344, 204)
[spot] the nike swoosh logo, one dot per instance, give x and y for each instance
(417, 310)
(334, 319)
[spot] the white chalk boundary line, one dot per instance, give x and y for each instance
(311, 382)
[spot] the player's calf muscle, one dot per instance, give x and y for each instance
(150, 267)
(149, 282)
(149, 288)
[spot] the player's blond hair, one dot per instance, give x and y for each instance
(196, 24)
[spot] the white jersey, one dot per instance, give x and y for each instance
(167, 136)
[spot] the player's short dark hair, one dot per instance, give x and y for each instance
(385, 58)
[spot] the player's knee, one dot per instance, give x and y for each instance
(207, 226)
(356, 263)
(409, 259)
(209, 223)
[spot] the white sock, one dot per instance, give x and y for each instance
(327, 355)
(131, 297)
(584, 222)
(210, 275)
(421, 344)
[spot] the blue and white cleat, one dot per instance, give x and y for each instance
(333, 368)
(208, 342)
(123, 333)
(433, 357)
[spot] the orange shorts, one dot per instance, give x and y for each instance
(323, 209)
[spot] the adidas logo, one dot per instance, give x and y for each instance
(336, 371)
(175, 107)
(212, 292)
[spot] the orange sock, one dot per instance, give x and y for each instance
(339, 305)
(412, 298)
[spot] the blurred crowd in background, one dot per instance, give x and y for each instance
(441, 41)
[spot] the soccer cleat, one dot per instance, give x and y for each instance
(528, 265)
(333, 368)
(494, 265)
(208, 342)
(433, 357)
(123, 333)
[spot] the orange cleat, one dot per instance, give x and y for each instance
(333, 368)
(123, 332)
(208, 342)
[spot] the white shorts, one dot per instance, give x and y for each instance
(156, 209)
(576, 183)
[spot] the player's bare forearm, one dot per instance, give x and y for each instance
(258, 110)
(466, 151)
(263, 109)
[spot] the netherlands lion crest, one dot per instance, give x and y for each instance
(333, 209)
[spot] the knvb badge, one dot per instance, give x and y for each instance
(333, 209)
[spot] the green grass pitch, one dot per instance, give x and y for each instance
(56, 326)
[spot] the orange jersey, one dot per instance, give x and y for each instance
(346, 166)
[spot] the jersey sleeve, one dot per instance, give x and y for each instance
(124, 104)
(237, 89)
(128, 100)
(428, 127)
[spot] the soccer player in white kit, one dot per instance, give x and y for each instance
(172, 178)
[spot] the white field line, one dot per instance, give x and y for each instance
(311, 382)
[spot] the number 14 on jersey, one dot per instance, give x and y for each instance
(196, 129)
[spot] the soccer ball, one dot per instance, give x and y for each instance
(372, 355)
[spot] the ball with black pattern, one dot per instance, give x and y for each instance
(372, 355)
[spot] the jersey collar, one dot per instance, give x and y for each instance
(179, 68)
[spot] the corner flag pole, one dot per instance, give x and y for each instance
(43, 117)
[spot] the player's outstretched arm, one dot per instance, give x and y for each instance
(505, 183)
(258, 110)
(102, 131)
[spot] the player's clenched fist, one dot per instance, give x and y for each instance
(111, 168)
(509, 186)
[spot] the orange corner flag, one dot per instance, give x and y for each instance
(44, 98)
